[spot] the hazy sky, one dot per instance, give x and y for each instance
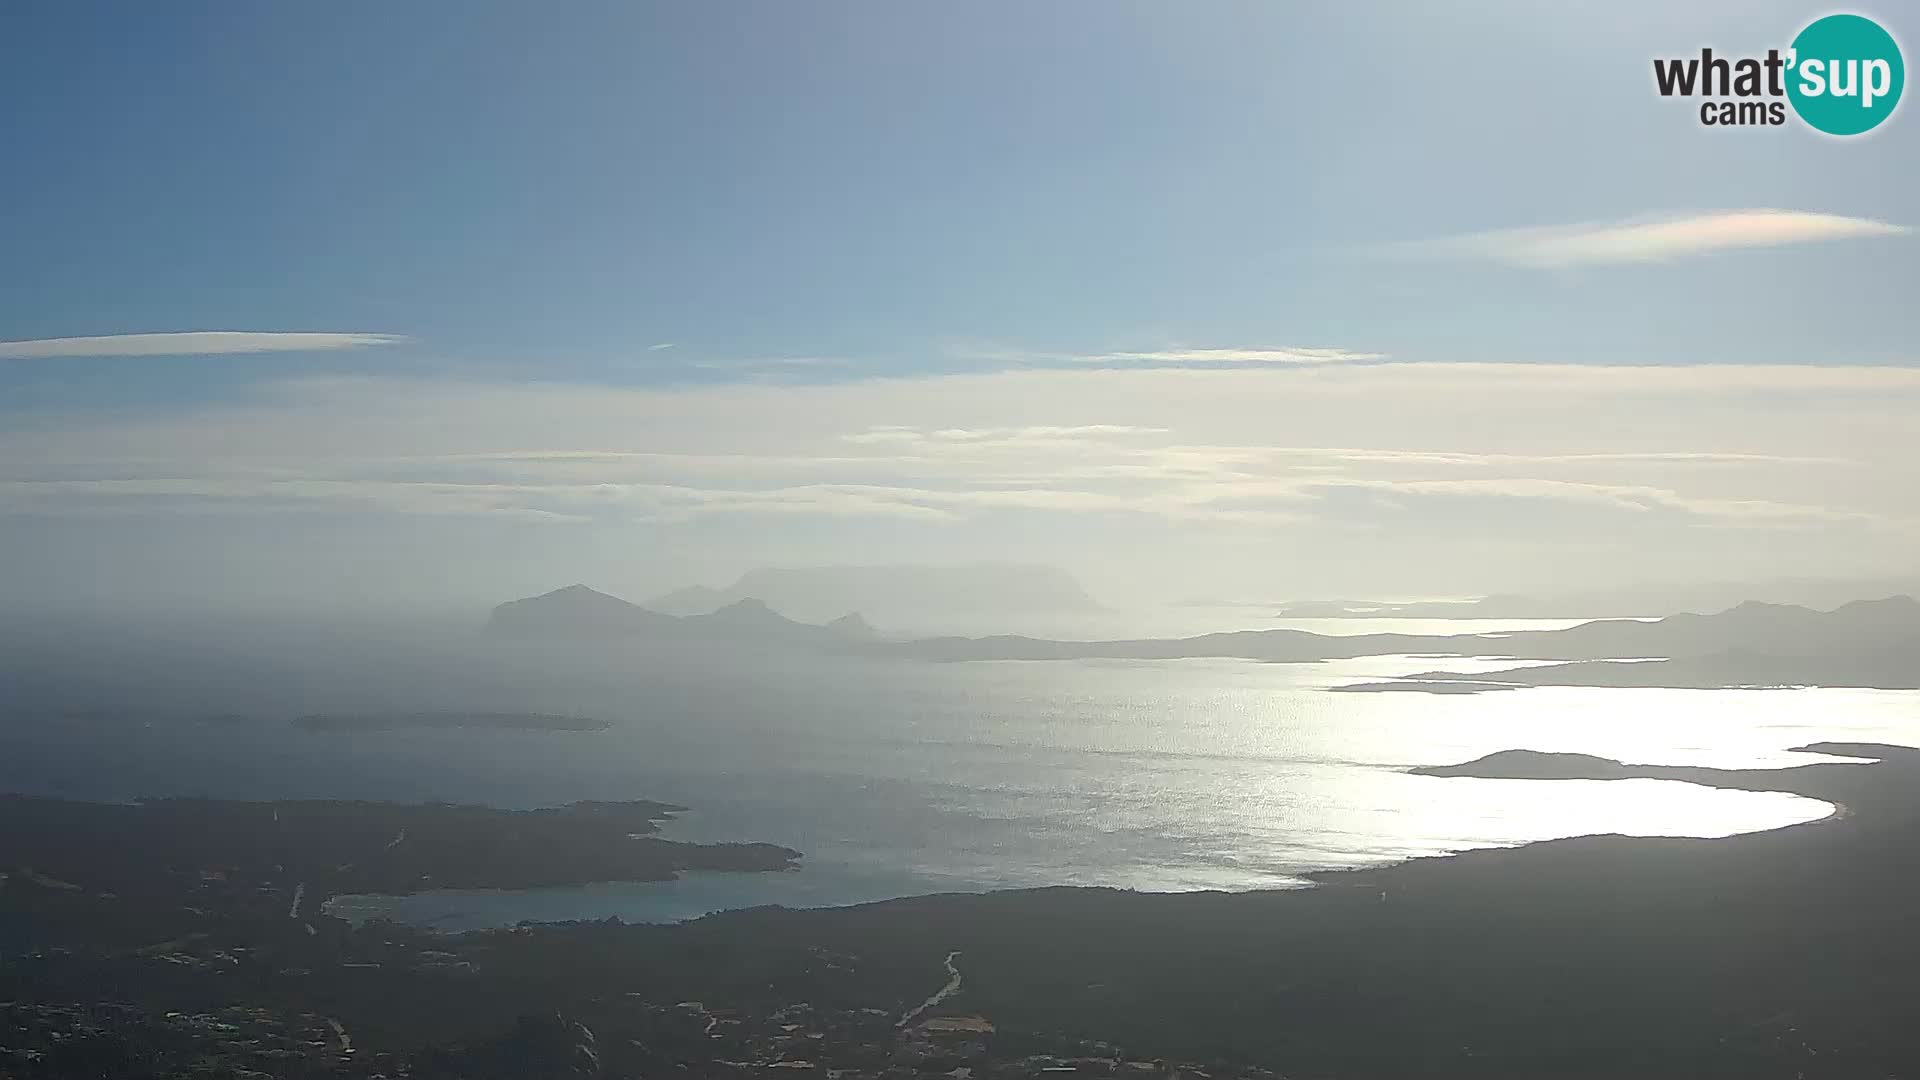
(437, 304)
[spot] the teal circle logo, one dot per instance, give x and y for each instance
(1846, 74)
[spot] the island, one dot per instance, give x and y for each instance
(1867, 665)
(1865, 643)
(1817, 780)
(1421, 684)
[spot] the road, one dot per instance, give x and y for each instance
(945, 992)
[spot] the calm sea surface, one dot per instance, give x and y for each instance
(906, 778)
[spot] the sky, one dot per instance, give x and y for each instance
(372, 306)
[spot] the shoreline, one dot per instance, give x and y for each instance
(1305, 878)
(324, 898)
(1600, 955)
(1595, 956)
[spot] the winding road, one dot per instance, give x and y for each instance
(945, 992)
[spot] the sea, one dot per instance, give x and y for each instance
(900, 778)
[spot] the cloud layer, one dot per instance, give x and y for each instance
(191, 343)
(1231, 356)
(1226, 443)
(1646, 240)
(1215, 480)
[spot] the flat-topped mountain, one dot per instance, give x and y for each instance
(896, 595)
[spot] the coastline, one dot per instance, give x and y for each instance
(1597, 956)
(664, 902)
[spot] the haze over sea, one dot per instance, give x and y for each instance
(902, 778)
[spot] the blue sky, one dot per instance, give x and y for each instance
(658, 198)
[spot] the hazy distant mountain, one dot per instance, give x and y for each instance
(692, 600)
(582, 613)
(1868, 643)
(575, 611)
(1864, 643)
(747, 614)
(854, 627)
(1772, 629)
(753, 619)
(1871, 643)
(894, 595)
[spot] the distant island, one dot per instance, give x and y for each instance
(1623, 601)
(1544, 765)
(578, 613)
(1425, 684)
(1871, 668)
(494, 721)
(1866, 643)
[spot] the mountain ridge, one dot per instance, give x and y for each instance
(1863, 643)
(578, 611)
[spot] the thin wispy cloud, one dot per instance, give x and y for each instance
(192, 343)
(1647, 240)
(774, 364)
(896, 434)
(1224, 498)
(1232, 356)
(660, 346)
(1177, 356)
(1633, 499)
